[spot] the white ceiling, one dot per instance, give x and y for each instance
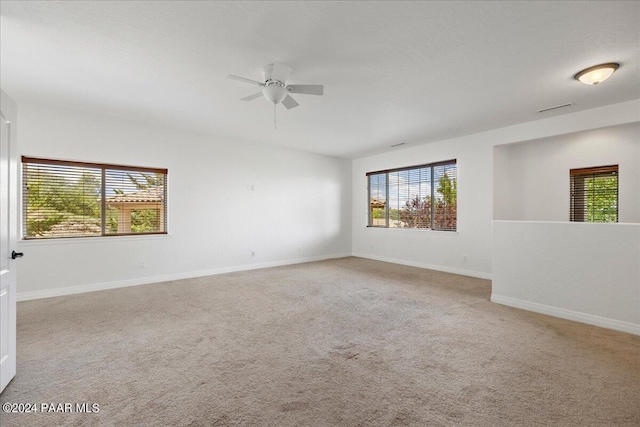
(394, 72)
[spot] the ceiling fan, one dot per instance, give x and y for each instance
(275, 88)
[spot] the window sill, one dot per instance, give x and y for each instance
(77, 240)
(415, 230)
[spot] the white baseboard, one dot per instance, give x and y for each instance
(50, 293)
(462, 272)
(590, 319)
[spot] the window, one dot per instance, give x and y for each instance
(422, 197)
(73, 199)
(594, 194)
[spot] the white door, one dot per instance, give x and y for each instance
(8, 235)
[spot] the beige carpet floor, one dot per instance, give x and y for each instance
(347, 342)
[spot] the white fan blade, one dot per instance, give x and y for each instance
(306, 89)
(280, 72)
(242, 79)
(251, 97)
(289, 102)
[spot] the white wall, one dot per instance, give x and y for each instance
(432, 249)
(474, 153)
(532, 179)
(580, 271)
(300, 209)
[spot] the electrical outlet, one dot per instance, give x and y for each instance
(142, 264)
(253, 253)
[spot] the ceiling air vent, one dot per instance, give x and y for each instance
(557, 107)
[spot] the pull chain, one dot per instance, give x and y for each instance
(275, 127)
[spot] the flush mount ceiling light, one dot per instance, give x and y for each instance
(596, 74)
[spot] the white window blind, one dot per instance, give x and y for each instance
(75, 199)
(414, 197)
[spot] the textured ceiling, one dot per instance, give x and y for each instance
(394, 72)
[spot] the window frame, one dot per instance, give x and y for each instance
(103, 168)
(386, 172)
(583, 174)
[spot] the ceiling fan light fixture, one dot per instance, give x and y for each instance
(274, 93)
(597, 73)
(274, 87)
